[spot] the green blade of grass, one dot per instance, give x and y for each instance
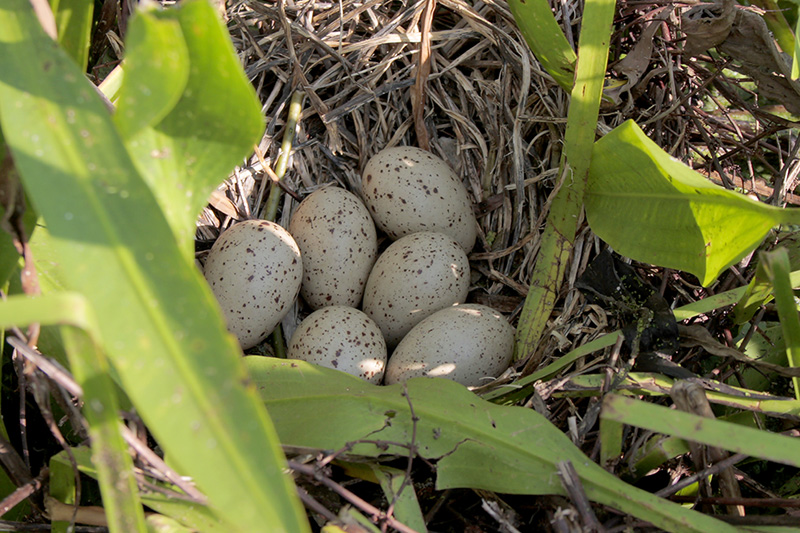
(776, 263)
(545, 39)
(709, 431)
(110, 455)
(644, 384)
(91, 371)
(159, 322)
(193, 515)
(562, 220)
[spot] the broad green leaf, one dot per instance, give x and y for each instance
(650, 207)
(546, 39)
(709, 431)
(776, 265)
(211, 128)
(477, 444)
(157, 70)
(565, 209)
(161, 327)
(74, 26)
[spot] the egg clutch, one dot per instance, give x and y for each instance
(407, 302)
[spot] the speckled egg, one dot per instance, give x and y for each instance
(338, 242)
(342, 338)
(254, 269)
(416, 276)
(466, 343)
(408, 190)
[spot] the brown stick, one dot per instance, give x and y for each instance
(691, 397)
(423, 71)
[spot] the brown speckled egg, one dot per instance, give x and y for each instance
(408, 190)
(416, 276)
(466, 343)
(254, 269)
(338, 243)
(342, 338)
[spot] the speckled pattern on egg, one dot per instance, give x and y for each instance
(255, 270)
(338, 242)
(342, 338)
(416, 276)
(408, 189)
(465, 343)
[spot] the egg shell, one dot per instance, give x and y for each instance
(465, 343)
(342, 338)
(408, 189)
(413, 278)
(339, 245)
(254, 269)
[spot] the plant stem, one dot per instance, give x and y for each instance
(562, 221)
(270, 210)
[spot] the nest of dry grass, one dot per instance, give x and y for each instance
(486, 106)
(489, 110)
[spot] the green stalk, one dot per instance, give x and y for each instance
(270, 210)
(562, 221)
(777, 266)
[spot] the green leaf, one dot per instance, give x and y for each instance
(776, 265)
(709, 431)
(61, 484)
(646, 384)
(406, 506)
(796, 51)
(184, 154)
(157, 70)
(110, 455)
(478, 444)
(650, 207)
(74, 26)
(546, 40)
(91, 371)
(159, 322)
(566, 206)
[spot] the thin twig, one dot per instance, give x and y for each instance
(376, 514)
(714, 469)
